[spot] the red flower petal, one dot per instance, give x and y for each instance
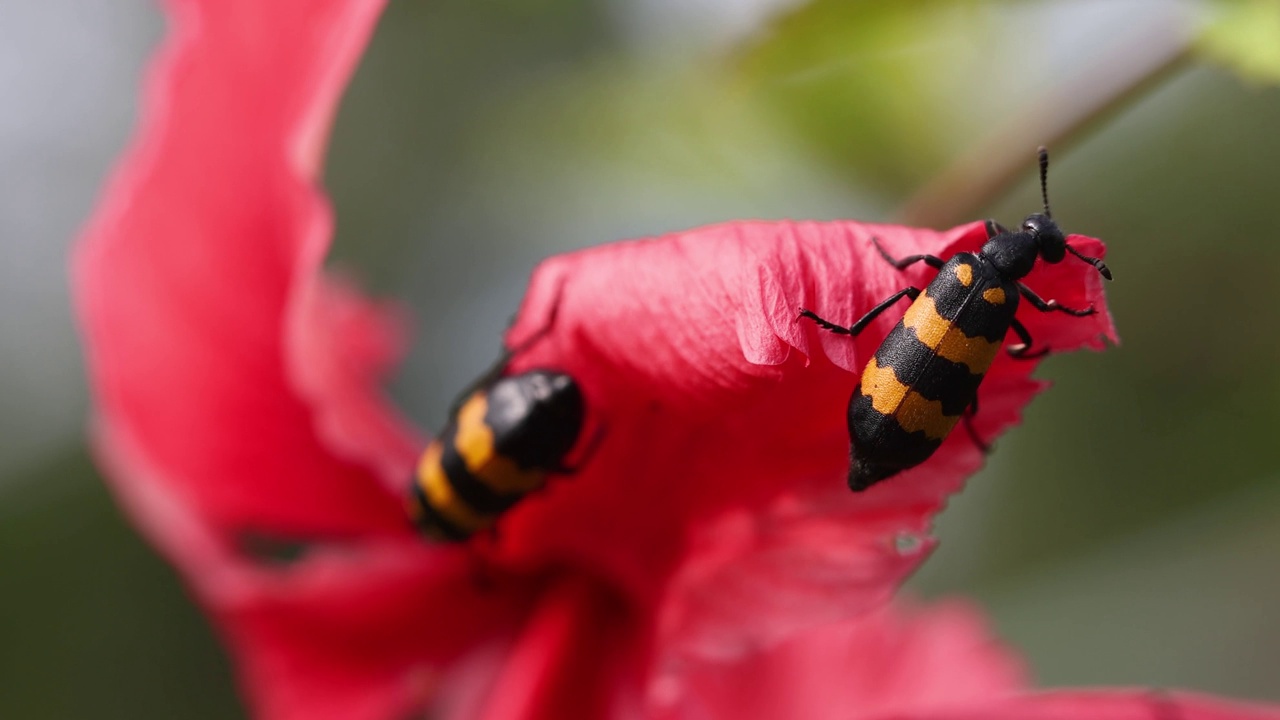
(206, 248)
(340, 348)
(890, 660)
(578, 656)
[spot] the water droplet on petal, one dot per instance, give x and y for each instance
(908, 543)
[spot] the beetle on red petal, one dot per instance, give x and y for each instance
(924, 378)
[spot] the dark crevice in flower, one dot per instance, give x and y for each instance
(269, 549)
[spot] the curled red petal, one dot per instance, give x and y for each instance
(235, 385)
(719, 485)
(340, 347)
(196, 280)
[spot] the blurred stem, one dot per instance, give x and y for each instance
(1067, 112)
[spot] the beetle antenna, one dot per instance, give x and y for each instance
(1101, 266)
(1043, 153)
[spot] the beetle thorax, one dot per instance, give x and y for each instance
(1012, 254)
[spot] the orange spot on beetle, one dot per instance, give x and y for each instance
(914, 412)
(441, 496)
(474, 442)
(940, 335)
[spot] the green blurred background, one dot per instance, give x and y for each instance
(1125, 534)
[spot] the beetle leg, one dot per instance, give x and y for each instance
(1050, 305)
(994, 228)
(931, 260)
(1021, 350)
(854, 329)
(969, 414)
(592, 445)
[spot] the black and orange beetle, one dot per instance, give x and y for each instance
(506, 435)
(924, 377)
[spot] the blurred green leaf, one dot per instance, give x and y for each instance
(1188, 601)
(1244, 35)
(94, 623)
(872, 86)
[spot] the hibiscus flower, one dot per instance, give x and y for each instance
(708, 561)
